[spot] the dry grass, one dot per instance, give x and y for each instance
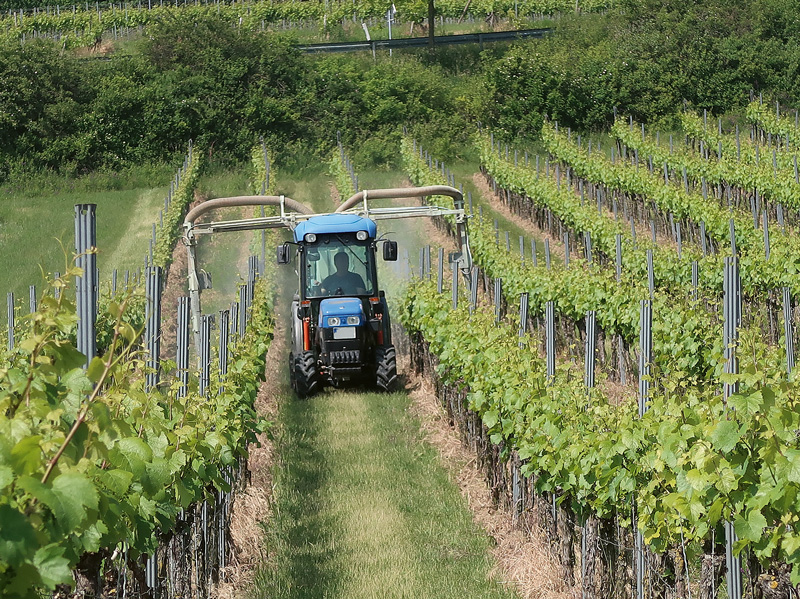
(524, 560)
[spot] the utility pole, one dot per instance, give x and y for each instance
(431, 20)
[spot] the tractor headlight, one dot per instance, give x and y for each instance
(354, 320)
(361, 235)
(310, 237)
(334, 321)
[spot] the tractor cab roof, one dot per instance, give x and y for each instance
(335, 223)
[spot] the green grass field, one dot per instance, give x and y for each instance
(37, 223)
(37, 233)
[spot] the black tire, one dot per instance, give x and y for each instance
(306, 378)
(386, 368)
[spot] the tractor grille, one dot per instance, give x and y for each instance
(347, 356)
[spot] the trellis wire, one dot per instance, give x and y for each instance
(498, 300)
(547, 253)
(440, 278)
(473, 290)
(455, 285)
(427, 261)
(205, 353)
(523, 316)
(241, 309)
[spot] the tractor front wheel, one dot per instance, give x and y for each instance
(305, 379)
(386, 368)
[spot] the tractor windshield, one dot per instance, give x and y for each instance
(339, 265)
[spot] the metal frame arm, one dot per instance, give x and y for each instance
(402, 192)
(190, 242)
(282, 201)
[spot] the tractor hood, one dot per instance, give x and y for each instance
(335, 223)
(340, 308)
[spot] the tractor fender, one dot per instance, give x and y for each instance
(297, 328)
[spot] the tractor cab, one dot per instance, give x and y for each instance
(337, 256)
(341, 332)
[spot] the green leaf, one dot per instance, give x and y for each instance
(748, 403)
(118, 481)
(490, 418)
(158, 475)
(53, 567)
(725, 435)
(131, 453)
(696, 479)
(792, 471)
(95, 370)
(749, 528)
(6, 476)
(17, 537)
(26, 456)
(74, 495)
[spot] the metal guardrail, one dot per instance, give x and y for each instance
(418, 42)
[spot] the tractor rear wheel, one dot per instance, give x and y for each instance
(386, 368)
(305, 378)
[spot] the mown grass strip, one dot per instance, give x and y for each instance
(363, 509)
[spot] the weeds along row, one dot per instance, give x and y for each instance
(118, 476)
(709, 446)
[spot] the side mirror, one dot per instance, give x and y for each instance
(283, 253)
(390, 251)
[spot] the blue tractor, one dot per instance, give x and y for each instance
(341, 331)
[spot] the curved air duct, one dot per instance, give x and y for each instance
(288, 203)
(401, 192)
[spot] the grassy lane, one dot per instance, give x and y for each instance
(361, 506)
(363, 509)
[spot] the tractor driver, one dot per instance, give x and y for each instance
(343, 282)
